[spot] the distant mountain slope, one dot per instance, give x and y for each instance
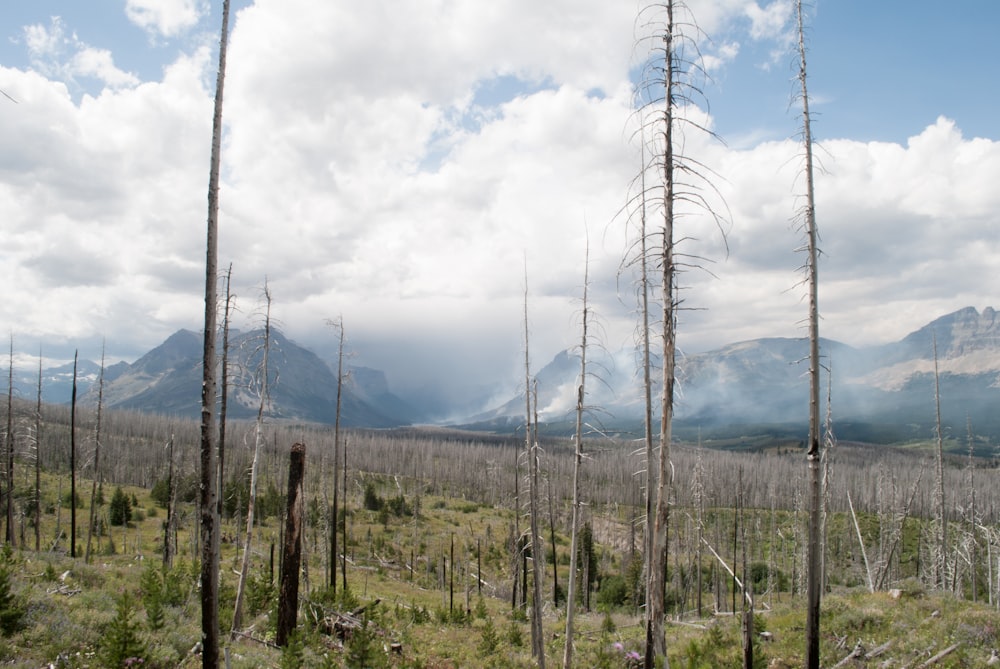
(762, 382)
(302, 387)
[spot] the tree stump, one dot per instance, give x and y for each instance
(288, 599)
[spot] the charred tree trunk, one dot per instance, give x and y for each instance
(288, 598)
(171, 524)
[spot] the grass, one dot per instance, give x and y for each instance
(70, 609)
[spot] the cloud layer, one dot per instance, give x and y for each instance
(406, 164)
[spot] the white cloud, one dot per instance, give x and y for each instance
(362, 179)
(771, 21)
(99, 64)
(165, 18)
(65, 57)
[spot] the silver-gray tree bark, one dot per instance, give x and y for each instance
(207, 498)
(581, 394)
(814, 566)
(258, 443)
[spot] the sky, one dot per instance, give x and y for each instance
(420, 167)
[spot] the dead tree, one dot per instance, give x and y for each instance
(208, 502)
(72, 464)
(9, 446)
(38, 458)
(258, 443)
(814, 567)
(940, 559)
(577, 458)
(169, 527)
(97, 461)
(335, 513)
(681, 183)
(531, 450)
(288, 598)
(224, 389)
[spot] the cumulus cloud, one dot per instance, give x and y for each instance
(165, 18)
(369, 172)
(64, 57)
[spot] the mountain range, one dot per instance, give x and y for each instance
(879, 393)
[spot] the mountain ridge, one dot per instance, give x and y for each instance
(752, 382)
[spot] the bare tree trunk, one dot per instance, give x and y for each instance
(288, 598)
(254, 467)
(72, 464)
(530, 447)
(336, 446)
(537, 549)
(942, 531)
(9, 450)
(38, 458)
(814, 583)
(208, 502)
(224, 392)
(974, 556)
(577, 458)
(169, 528)
(343, 562)
(656, 592)
(97, 460)
(516, 548)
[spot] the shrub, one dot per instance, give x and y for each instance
(372, 500)
(613, 593)
(161, 493)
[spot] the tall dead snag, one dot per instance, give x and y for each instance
(208, 501)
(288, 598)
(537, 546)
(169, 527)
(814, 566)
(335, 512)
(258, 443)
(97, 461)
(38, 457)
(9, 446)
(577, 459)
(72, 464)
(680, 186)
(531, 450)
(940, 559)
(224, 389)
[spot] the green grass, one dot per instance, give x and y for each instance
(71, 609)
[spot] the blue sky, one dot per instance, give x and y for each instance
(399, 163)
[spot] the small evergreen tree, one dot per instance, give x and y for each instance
(121, 641)
(11, 608)
(362, 650)
(151, 585)
(121, 508)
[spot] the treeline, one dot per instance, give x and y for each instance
(480, 467)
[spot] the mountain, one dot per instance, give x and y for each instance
(878, 393)
(301, 386)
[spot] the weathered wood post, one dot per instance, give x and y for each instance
(288, 599)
